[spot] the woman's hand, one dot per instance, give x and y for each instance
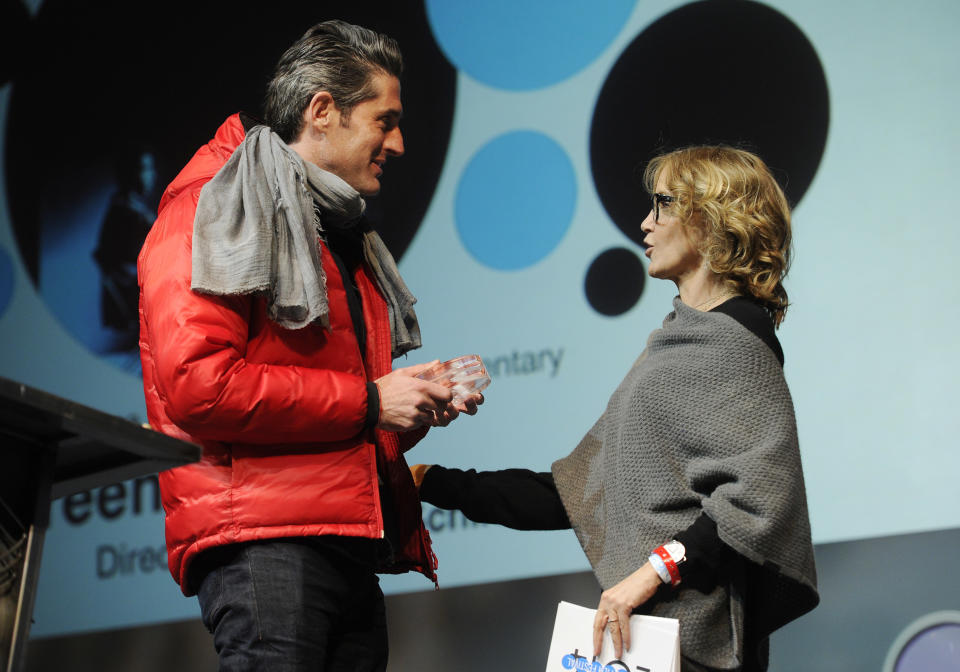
(418, 471)
(618, 602)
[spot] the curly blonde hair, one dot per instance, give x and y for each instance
(741, 213)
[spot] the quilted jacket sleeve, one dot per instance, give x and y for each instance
(196, 345)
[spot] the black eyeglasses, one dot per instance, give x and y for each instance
(658, 200)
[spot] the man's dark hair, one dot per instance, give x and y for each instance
(334, 56)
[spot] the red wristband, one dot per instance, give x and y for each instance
(671, 565)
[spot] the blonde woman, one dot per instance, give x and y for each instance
(687, 495)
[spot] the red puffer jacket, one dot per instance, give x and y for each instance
(280, 413)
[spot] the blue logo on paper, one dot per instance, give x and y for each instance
(574, 661)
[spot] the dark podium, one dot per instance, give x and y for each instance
(53, 447)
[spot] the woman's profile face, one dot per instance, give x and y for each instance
(670, 243)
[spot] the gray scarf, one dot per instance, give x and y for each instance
(255, 231)
(703, 421)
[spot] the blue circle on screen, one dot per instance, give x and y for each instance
(936, 649)
(527, 45)
(6, 279)
(515, 200)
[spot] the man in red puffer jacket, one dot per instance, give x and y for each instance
(269, 317)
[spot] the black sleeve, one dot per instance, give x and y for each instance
(526, 500)
(373, 406)
(517, 498)
(704, 550)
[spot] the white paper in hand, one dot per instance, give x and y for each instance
(654, 644)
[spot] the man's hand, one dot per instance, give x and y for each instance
(618, 602)
(450, 413)
(406, 402)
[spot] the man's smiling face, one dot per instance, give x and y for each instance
(357, 145)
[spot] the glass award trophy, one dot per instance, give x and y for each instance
(464, 375)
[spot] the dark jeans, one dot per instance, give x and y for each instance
(291, 604)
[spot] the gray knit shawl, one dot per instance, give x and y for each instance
(255, 231)
(703, 421)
